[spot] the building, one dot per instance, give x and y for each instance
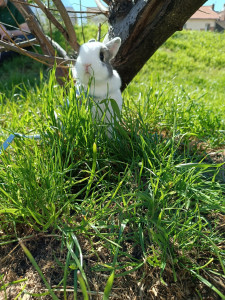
(44, 20)
(95, 16)
(206, 19)
(72, 14)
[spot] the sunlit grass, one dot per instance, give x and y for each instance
(150, 187)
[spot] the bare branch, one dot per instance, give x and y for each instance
(43, 41)
(144, 28)
(35, 28)
(23, 44)
(45, 59)
(99, 32)
(54, 9)
(50, 16)
(46, 45)
(69, 26)
(106, 1)
(102, 7)
(142, 25)
(58, 48)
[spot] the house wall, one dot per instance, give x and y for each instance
(44, 20)
(73, 16)
(96, 19)
(206, 25)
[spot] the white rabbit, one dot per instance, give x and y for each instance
(94, 73)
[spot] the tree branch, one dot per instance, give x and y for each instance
(143, 25)
(23, 44)
(59, 49)
(53, 9)
(144, 29)
(52, 19)
(106, 1)
(46, 59)
(35, 28)
(69, 26)
(46, 45)
(102, 7)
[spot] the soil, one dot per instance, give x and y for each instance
(146, 283)
(50, 255)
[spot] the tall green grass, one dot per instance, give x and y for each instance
(149, 195)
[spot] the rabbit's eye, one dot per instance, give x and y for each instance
(101, 55)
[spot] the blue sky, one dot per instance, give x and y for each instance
(75, 3)
(85, 3)
(218, 4)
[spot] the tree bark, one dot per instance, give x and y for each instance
(144, 28)
(143, 25)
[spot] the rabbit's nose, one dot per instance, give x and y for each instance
(86, 66)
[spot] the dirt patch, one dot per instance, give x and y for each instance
(50, 255)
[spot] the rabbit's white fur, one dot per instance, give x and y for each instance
(93, 70)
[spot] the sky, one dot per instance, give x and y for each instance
(91, 3)
(218, 4)
(85, 3)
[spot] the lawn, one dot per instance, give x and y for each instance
(140, 215)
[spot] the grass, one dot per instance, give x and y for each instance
(19, 70)
(143, 207)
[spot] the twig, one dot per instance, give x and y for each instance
(58, 48)
(93, 293)
(45, 59)
(107, 2)
(50, 16)
(102, 7)
(82, 26)
(23, 44)
(35, 28)
(99, 32)
(68, 23)
(56, 10)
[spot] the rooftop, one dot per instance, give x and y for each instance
(206, 12)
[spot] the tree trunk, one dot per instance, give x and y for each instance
(143, 28)
(143, 25)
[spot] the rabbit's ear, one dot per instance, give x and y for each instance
(91, 41)
(113, 46)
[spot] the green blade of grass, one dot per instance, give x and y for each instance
(92, 170)
(32, 260)
(199, 165)
(108, 286)
(78, 263)
(207, 283)
(5, 285)
(20, 293)
(82, 285)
